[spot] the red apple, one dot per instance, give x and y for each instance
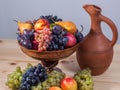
(71, 40)
(40, 24)
(55, 88)
(68, 83)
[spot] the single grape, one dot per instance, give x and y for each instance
(55, 47)
(64, 32)
(60, 42)
(57, 29)
(65, 39)
(55, 18)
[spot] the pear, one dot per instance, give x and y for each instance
(68, 25)
(24, 25)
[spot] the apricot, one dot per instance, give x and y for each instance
(55, 88)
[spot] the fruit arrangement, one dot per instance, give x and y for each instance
(37, 78)
(48, 33)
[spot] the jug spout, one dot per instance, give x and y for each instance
(92, 9)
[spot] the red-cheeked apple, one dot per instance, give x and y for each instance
(71, 40)
(40, 24)
(68, 83)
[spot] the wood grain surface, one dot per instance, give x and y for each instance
(11, 56)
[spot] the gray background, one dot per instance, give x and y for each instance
(66, 9)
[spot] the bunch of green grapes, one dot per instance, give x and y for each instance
(84, 79)
(14, 79)
(54, 79)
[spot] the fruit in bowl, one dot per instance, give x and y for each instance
(48, 33)
(48, 41)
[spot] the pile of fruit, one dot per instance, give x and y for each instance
(37, 78)
(48, 33)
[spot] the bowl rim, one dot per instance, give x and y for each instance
(53, 51)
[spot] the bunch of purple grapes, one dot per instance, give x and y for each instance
(33, 76)
(26, 38)
(51, 18)
(59, 40)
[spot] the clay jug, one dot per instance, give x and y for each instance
(96, 50)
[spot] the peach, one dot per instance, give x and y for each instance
(40, 24)
(68, 83)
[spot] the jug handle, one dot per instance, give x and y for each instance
(112, 26)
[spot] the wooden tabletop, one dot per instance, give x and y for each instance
(11, 56)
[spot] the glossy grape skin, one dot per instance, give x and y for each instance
(59, 40)
(26, 38)
(51, 18)
(54, 79)
(32, 77)
(79, 36)
(14, 79)
(84, 79)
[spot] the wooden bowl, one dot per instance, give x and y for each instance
(50, 58)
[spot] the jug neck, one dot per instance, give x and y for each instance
(96, 24)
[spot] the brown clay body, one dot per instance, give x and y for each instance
(96, 51)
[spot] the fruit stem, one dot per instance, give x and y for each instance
(15, 20)
(53, 20)
(82, 28)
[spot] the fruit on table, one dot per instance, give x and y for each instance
(14, 79)
(84, 80)
(24, 25)
(54, 79)
(68, 25)
(32, 77)
(55, 88)
(71, 40)
(40, 24)
(68, 83)
(36, 78)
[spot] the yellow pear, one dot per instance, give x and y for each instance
(23, 25)
(68, 25)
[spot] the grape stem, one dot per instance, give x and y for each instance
(81, 28)
(15, 20)
(52, 20)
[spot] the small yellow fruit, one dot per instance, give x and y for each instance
(55, 88)
(68, 25)
(22, 26)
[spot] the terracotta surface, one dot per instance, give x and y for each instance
(96, 51)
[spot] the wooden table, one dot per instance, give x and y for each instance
(11, 56)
